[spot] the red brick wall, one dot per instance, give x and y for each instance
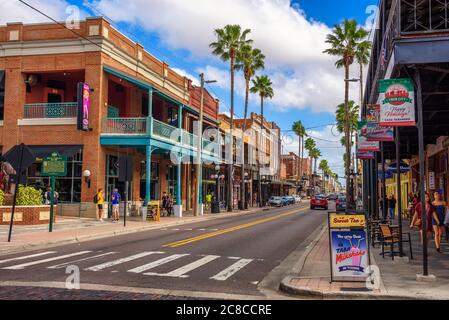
(30, 215)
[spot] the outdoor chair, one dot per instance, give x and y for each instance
(375, 232)
(389, 237)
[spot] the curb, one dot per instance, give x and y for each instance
(286, 287)
(78, 239)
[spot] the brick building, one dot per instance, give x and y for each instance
(138, 107)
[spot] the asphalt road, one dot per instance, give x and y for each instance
(223, 258)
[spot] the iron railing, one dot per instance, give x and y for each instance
(124, 126)
(50, 110)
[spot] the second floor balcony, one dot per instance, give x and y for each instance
(50, 110)
(148, 127)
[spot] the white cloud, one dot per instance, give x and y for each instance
(14, 11)
(302, 75)
(184, 73)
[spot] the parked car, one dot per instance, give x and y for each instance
(319, 201)
(297, 199)
(340, 204)
(277, 202)
(289, 200)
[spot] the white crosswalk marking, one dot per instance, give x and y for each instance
(62, 265)
(229, 272)
(122, 260)
(181, 272)
(157, 263)
(27, 257)
(24, 265)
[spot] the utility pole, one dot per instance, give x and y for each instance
(198, 202)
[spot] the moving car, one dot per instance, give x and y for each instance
(340, 204)
(277, 202)
(319, 201)
(332, 197)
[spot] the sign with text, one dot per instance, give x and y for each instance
(54, 165)
(346, 221)
(83, 97)
(349, 254)
(397, 102)
(363, 144)
(374, 131)
(365, 155)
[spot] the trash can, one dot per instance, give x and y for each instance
(215, 208)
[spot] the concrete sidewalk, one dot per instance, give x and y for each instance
(70, 230)
(311, 276)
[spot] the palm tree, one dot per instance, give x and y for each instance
(324, 167)
(230, 39)
(344, 42)
(262, 86)
(249, 60)
(300, 131)
(315, 154)
(310, 144)
(353, 119)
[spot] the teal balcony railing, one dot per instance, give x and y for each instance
(124, 126)
(156, 129)
(50, 110)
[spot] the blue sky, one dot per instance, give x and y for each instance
(291, 34)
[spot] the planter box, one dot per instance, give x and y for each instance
(26, 215)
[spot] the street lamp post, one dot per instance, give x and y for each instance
(216, 203)
(198, 201)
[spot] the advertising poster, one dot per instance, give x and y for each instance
(397, 102)
(349, 254)
(365, 155)
(363, 144)
(83, 106)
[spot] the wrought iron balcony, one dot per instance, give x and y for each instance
(50, 110)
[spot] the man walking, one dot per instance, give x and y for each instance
(115, 200)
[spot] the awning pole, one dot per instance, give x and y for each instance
(398, 181)
(421, 171)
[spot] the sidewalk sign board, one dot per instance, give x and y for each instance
(53, 166)
(349, 247)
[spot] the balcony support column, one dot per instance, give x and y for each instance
(180, 108)
(150, 102)
(149, 151)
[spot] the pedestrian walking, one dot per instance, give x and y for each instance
(99, 201)
(115, 200)
(439, 217)
(391, 207)
(164, 204)
(169, 205)
(208, 200)
(417, 217)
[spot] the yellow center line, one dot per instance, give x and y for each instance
(239, 227)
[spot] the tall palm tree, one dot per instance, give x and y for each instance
(310, 144)
(344, 41)
(262, 86)
(230, 39)
(353, 119)
(324, 167)
(249, 60)
(315, 154)
(300, 131)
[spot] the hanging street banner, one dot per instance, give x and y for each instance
(365, 155)
(397, 102)
(403, 167)
(374, 131)
(83, 96)
(363, 144)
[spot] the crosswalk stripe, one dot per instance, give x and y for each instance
(26, 257)
(22, 266)
(181, 272)
(122, 260)
(62, 265)
(157, 263)
(229, 272)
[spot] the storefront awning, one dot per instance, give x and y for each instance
(63, 150)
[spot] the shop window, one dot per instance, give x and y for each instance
(68, 187)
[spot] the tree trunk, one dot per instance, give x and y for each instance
(230, 166)
(298, 180)
(243, 185)
(302, 154)
(347, 134)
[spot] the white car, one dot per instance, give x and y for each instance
(297, 199)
